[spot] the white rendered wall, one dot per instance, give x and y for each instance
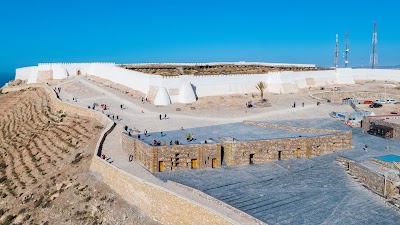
(25, 72)
(210, 85)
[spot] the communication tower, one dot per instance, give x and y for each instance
(346, 54)
(337, 52)
(374, 54)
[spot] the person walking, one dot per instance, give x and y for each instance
(302, 104)
(160, 117)
(121, 106)
(145, 132)
(161, 133)
(294, 105)
(165, 116)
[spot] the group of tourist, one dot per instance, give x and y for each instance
(165, 117)
(249, 104)
(190, 137)
(143, 100)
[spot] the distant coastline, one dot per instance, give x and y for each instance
(5, 77)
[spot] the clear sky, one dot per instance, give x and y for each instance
(291, 31)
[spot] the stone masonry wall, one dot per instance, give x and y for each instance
(269, 150)
(128, 144)
(396, 127)
(159, 203)
(373, 180)
(178, 157)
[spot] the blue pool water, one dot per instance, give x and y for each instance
(389, 158)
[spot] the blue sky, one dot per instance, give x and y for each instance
(194, 31)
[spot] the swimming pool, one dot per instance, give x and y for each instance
(389, 158)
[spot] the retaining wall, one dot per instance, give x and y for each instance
(158, 202)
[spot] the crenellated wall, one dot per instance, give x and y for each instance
(171, 89)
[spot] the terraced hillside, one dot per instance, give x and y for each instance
(44, 167)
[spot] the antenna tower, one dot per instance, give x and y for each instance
(346, 54)
(374, 54)
(337, 52)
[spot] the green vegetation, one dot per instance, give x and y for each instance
(99, 127)
(261, 86)
(9, 219)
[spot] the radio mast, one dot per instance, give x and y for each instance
(337, 52)
(374, 54)
(346, 54)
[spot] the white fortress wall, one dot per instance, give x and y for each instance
(376, 74)
(25, 72)
(135, 80)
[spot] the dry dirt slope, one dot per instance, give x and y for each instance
(44, 167)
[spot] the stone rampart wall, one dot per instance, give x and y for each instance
(158, 202)
(372, 180)
(283, 149)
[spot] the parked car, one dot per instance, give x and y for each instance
(390, 101)
(397, 103)
(368, 102)
(347, 98)
(380, 101)
(375, 105)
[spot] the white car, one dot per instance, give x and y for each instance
(380, 101)
(390, 101)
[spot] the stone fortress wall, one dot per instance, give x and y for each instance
(158, 202)
(235, 153)
(185, 88)
(371, 179)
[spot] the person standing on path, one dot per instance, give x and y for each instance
(161, 133)
(294, 105)
(165, 116)
(160, 117)
(303, 104)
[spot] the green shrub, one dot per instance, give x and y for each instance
(9, 219)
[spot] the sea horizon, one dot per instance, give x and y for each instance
(5, 78)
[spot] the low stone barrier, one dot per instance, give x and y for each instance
(160, 203)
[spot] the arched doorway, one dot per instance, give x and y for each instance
(78, 72)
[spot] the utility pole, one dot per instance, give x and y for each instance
(346, 56)
(374, 54)
(336, 61)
